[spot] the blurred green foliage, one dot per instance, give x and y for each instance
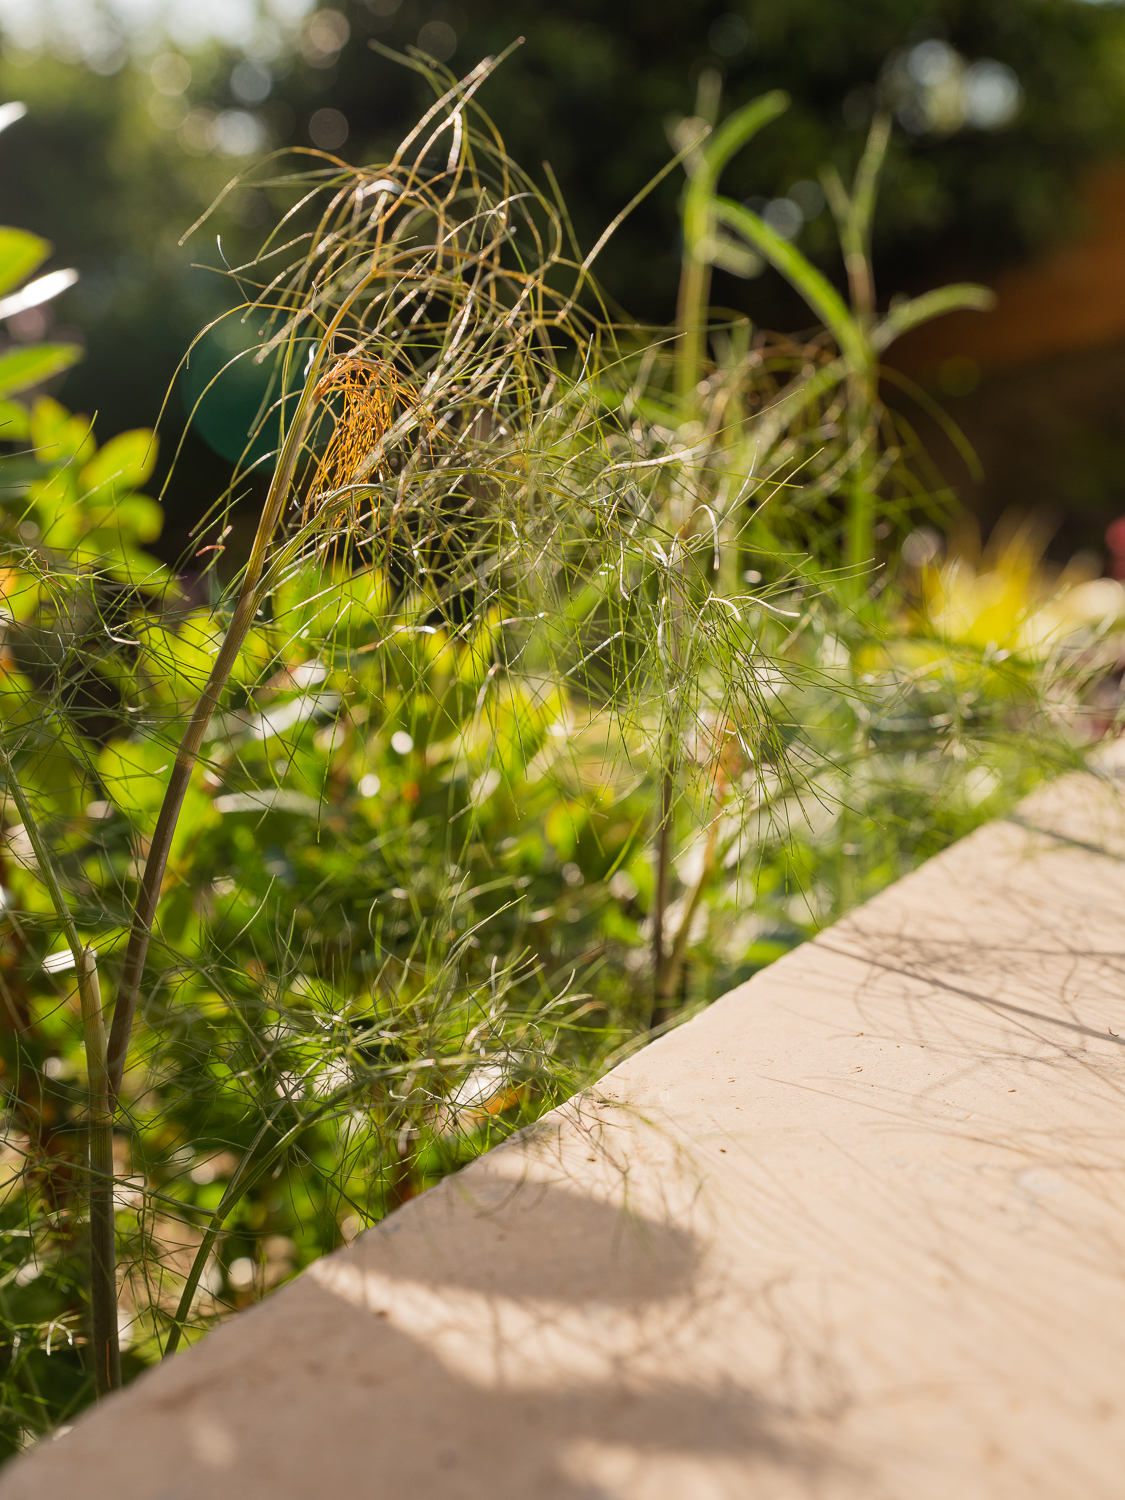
(395, 928)
(115, 168)
(409, 903)
(596, 89)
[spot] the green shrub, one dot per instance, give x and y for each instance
(524, 725)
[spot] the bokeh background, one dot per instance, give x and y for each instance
(1007, 165)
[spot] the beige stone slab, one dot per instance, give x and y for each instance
(858, 1230)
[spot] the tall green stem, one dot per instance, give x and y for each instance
(859, 549)
(698, 231)
(248, 1173)
(672, 965)
(249, 600)
(698, 221)
(663, 871)
(854, 213)
(103, 1251)
(672, 626)
(152, 880)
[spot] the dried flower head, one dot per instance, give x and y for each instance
(371, 393)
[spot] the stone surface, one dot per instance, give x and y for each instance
(856, 1232)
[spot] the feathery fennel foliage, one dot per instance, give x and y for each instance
(538, 712)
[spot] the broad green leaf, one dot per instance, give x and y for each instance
(17, 472)
(143, 572)
(18, 704)
(256, 654)
(180, 661)
(907, 315)
(20, 596)
(730, 256)
(20, 254)
(22, 368)
(140, 518)
(802, 275)
(135, 774)
(52, 773)
(14, 426)
(58, 437)
(135, 518)
(56, 510)
(123, 464)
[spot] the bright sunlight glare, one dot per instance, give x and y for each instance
(100, 33)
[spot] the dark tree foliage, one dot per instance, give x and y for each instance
(596, 87)
(597, 90)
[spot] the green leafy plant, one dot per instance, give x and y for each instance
(24, 367)
(496, 750)
(743, 461)
(860, 335)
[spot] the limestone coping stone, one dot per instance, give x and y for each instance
(857, 1231)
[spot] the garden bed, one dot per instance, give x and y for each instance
(852, 1231)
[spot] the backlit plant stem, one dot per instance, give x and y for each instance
(663, 870)
(103, 1252)
(854, 213)
(103, 1249)
(698, 232)
(249, 1171)
(672, 964)
(699, 224)
(249, 600)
